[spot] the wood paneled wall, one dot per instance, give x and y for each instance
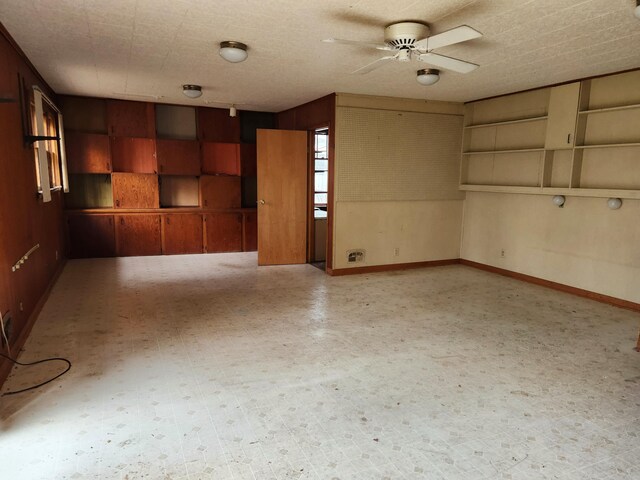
(24, 219)
(309, 116)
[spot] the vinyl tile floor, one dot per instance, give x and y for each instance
(208, 367)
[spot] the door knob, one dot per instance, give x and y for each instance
(261, 202)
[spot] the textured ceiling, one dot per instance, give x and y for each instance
(124, 48)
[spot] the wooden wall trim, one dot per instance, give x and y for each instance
(5, 365)
(599, 297)
(390, 267)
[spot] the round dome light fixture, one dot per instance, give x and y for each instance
(428, 76)
(614, 203)
(558, 200)
(192, 91)
(234, 52)
(636, 12)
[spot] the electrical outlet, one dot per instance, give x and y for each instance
(502, 253)
(396, 251)
(355, 256)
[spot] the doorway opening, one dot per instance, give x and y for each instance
(318, 189)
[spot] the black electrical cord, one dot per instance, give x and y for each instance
(35, 363)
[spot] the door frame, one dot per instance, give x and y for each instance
(311, 167)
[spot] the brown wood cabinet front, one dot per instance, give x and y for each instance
(220, 192)
(91, 236)
(181, 233)
(131, 119)
(223, 232)
(215, 125)
(138, 235)
(178, 157)
(248, 160)
(87, 152)
(134, 155)
(250, 232)
(134, 190)
(221, 158)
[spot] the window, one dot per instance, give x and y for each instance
(49, 157)
(321, 173)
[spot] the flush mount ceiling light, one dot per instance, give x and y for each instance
(428, 76)
(558, 200)
(192, 91)
(233, 52)
(614, 203)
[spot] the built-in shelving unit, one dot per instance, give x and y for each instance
(578, 139)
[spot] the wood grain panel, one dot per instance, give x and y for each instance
(181, 234)
(179, 191)
(131, 119)
(178, 157)
(248, 160)
(215, 125)
(87, 152)
(84, 114)
(134, 190)
(138, 235)
(220, 192)
(223, 232)
(250, 232)
(91, 236)
(134, 155)
(220, 158)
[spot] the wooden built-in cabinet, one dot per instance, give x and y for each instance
(178, 157)
(87, 152)
(147, 179)
(135, 190)
(223, 232)
(217, 191)
(130, 119)
(182, 233)
(138, 235)
(221, 158)
(134, 155)
(579, 139)
(91, 236)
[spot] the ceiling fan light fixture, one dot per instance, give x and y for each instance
(428, 76)
(234, 52)
(192, 91)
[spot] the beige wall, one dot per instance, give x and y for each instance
(397, 167)
(583, 244)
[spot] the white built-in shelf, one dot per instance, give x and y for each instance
(507, 122)
(610, 109)
(609, 145)
(490, 152)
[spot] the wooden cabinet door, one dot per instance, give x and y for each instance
(87, 152)
(248, 165)
(181, 233)
(215, 125)
(561, 122)
(221, 158)
(82, 114)
(134, 155)
(134, 190)
(138, 235)
(223, 232)
(91, 236)
(178, 157)
(250, 232)
(131, 119)
(220, 192)
(282, 197)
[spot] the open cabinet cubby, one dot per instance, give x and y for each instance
(577, 139)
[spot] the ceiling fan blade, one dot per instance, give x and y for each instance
(450, 37)
(448, 63)
(373, 65)
(379, 46)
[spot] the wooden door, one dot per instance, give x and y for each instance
(178, 157)
(138, 235)
(220, 192)
(91, 236)
(181, 233)
(131, 119)
(221, 158)
(563, 110)
(223, 232)
(135, 190)
(134, 155)
(282, 197)
(87, 153)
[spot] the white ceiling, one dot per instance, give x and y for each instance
(123, 48)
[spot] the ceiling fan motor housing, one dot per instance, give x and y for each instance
(404, 34)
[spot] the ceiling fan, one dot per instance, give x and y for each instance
(411, 40)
